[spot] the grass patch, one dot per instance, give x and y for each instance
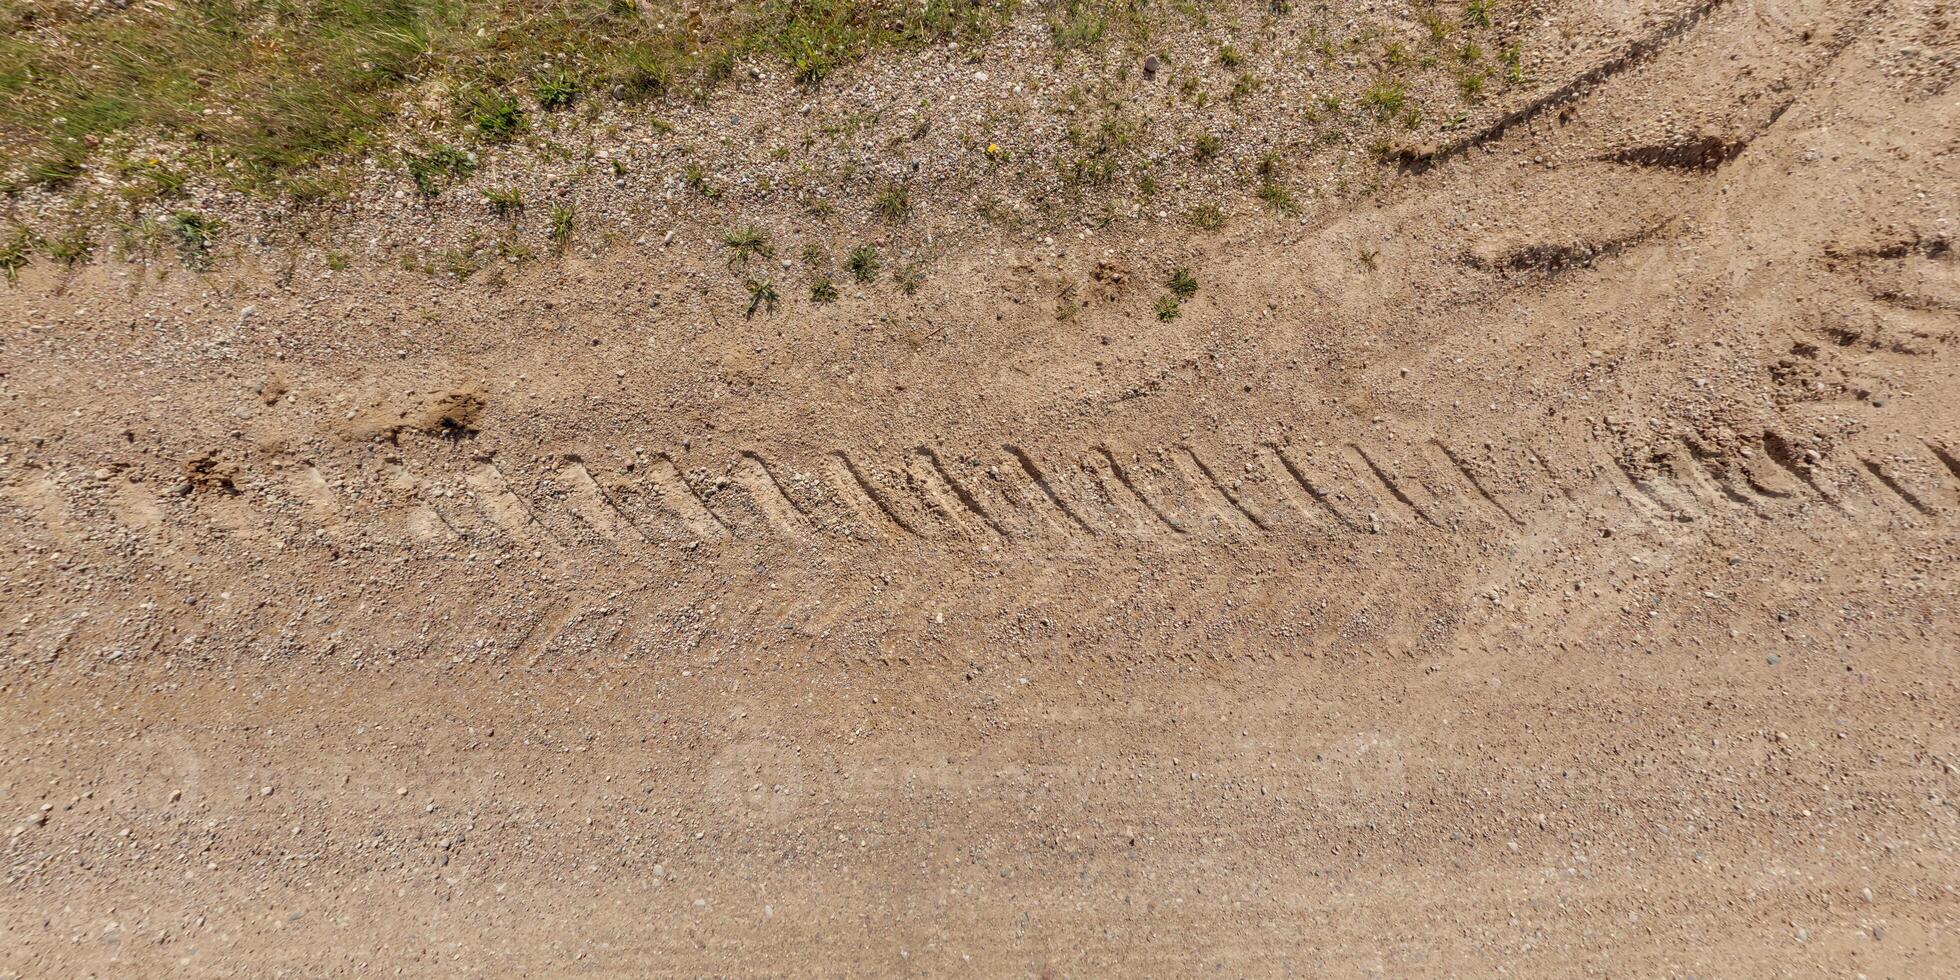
(1077, 25)
(1183, 284)
(193, 234)
(1276, 196)
(893, 202)
(274, 88)
(746, 243)
(863, 263)
(505, 201)
(72, 248)
(1386, 99)
(762, 298)
(433, 170)
(15, 253)
(697, 181)
(563, 219)
(489, 113)
(1166, 308)
(555, 89)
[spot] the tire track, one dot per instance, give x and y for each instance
(1198, 496)
(1634, 55)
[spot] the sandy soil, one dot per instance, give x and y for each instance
(1545, 566)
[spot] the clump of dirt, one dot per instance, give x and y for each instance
(449, 413)
(1705, 154)
(210, 473)
(1555, 257)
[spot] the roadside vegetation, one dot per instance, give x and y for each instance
(161, 128)
(272, 89)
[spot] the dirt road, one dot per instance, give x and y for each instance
(1543, 565)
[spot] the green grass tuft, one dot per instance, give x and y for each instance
(762, 297)
(893, 202)
(555, 89)
(16, 252)
(745, 243)
(73, 248)
(863, 262)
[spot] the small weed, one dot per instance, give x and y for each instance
(893, 203)
(1369, 257)
(909, 277)
(562, 220)
(1183, 283)
(1205, 147)
(72, 248)
(1276, 196)
(157, 182)
(1270, 165)
(457, 262)
(697, 181)
(1166, 308)
(1208, 216)
(1066, 304)
(1386, 98)
(505, 201)
(1471, 85)
(1439, 29)
(745, 243)
(816, 256)
(14, 254)
(863, 262)
(432, 170)
(1512, 55)
(556, 89)
(823, 291)
(1090, 171)
(495, 116)
(339, 261)
(1476, 13)
(639, 75)
(1246, 85)
(1079, 26)
(762, 298)
(192, 232)
(57, 169)
(1229, 56)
